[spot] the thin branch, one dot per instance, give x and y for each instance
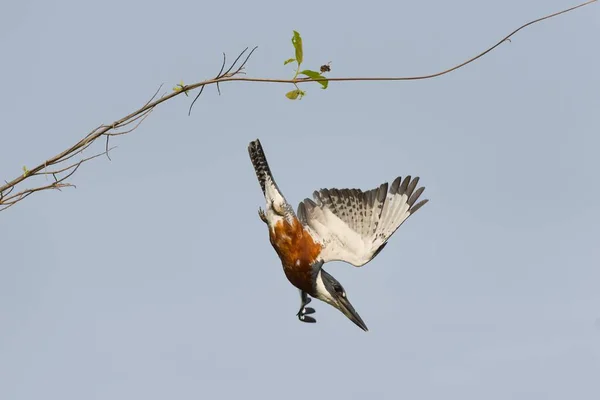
(72, 155)
(143, 117)
(196, 98)
(153, 96)
(220, 71)
(106, 147)
(57, 184)
(245, 61)
(232, 74)
(406, 78)
(235, 62)
(222, 65)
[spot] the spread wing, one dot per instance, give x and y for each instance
(353, 225)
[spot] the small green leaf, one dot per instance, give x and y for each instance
(297, 42)
(293, 95)
(180, 87)
(25, 171)
(315, 75)
(289, 60)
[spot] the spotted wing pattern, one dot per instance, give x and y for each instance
(353, 225)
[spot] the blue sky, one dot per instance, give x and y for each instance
(155, 278)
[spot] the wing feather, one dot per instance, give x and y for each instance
(352, 225)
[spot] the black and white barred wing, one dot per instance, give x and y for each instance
(353, 225)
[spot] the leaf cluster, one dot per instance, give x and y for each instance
(310, 75)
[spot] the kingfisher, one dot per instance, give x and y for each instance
(348, 225)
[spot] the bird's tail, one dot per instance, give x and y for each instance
(259, 161)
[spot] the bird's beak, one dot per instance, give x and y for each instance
(345, 307)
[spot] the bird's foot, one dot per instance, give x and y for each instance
(262, 215)
(303, 313)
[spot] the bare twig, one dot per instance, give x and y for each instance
(232, 74)
(9, 201)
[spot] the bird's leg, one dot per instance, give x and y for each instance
(262, 215)
(303, 313)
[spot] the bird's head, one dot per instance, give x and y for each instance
(329, 290)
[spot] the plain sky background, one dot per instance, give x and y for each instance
(155, 279)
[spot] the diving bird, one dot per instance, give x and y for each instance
(338, 225)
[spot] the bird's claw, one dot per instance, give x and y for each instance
(306, 318)
(303, 313)
(262, 215)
